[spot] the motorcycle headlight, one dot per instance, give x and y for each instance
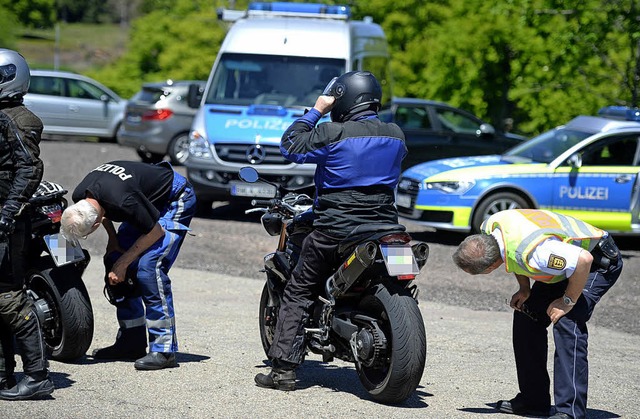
(199, 146)
(457, 187)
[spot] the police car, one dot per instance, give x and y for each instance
(587, 168)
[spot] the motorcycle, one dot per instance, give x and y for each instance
(368, 313)
(54, 278)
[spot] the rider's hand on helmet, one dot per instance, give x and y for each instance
(324, 104)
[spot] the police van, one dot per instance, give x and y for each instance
(273, 63)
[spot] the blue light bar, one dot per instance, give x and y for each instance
(623, 113)
(300, 8)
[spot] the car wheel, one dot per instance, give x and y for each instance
(495, 203)
(149, 157)
(179, 149)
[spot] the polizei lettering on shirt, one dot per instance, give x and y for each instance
(594, 193)
(114, 170)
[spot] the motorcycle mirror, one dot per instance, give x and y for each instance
(248, 174)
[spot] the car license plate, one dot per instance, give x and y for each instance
(62, 251)
(403, 200)
(253, 191)
(399, 259)
(134, 119)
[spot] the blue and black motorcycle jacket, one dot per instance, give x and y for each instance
(358, 168)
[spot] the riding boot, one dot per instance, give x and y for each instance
(7, 360)
(282, 376)
(130, 344)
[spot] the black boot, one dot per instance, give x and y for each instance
(156, 361)
(130, 344)
(7, 382)
(30, 387)
(280, 378)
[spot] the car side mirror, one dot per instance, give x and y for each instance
(575, 161)
(104, 98)
(194, 97)
(486, 130)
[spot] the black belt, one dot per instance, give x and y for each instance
(605, 253)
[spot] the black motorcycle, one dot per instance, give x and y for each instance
(54, 279)
(369, 311)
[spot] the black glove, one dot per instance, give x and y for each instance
(7, 225)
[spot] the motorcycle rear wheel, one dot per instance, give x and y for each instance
(68, 328)
(399, 317)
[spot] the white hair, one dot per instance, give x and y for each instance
(78, 220)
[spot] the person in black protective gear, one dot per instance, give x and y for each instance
(358, 161)
(572, 265)
(20, 173)
(154, 206)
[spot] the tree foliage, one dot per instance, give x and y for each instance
(31, 13)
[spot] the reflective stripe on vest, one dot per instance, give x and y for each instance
(524, 229)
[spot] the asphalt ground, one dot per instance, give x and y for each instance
(217, 285)
(469, 367)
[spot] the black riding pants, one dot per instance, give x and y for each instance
(318, 260)
(17, 316)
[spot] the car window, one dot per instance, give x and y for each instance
(410, 117)
(456, 122)
(613, 152)
(53, 86)
(150, 95)
(82, 90)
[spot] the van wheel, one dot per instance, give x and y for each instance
(179, 149)
(495, 203)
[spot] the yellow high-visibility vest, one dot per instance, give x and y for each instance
(523, 229)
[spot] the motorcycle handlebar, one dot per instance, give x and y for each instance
(263, 202)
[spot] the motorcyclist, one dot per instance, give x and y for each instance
(20, 173)
(358, 161)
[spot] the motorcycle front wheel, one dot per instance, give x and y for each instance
(393, 376)
(64, 309)
(268, 317)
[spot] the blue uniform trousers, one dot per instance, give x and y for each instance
(155, 307)
(570, 364)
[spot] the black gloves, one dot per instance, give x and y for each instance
(7, 221)
(7, 225)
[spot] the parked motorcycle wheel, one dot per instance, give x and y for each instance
(393, 376)
(64, 309)
(268, 318)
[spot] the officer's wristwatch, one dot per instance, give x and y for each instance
(568, 301)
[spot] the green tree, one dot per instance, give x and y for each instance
(8, 25)
(32, 13)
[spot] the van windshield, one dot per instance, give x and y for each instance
(246, 79)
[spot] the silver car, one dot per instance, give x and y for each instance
(158, 120)
(72, 104)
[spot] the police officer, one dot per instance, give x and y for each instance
(573, 264)
(20, 173)
(155, 206)
(358, 166)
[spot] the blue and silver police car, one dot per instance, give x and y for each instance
(587, 168)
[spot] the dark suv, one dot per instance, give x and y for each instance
(158, 119)
(436, 130)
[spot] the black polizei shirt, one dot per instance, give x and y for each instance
(132, 192)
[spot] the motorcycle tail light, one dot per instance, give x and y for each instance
(396, 238)
(406, 277)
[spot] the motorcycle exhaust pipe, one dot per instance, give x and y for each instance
(349, 272)
(421, 253)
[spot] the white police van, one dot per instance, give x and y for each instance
(274, 62)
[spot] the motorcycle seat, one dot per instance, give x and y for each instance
(366, 232)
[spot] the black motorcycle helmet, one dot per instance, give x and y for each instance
(355, 91)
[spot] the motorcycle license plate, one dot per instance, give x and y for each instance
(253, 191)
(399, 259)
(62, 251)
